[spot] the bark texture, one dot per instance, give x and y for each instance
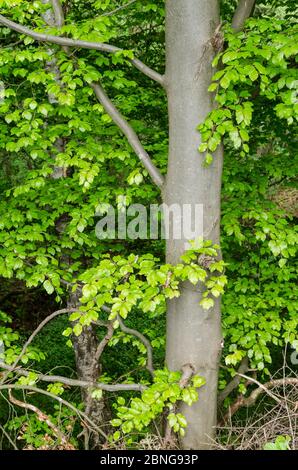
(85, 347)
(193, 334)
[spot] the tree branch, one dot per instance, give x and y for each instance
(43, 418)
(262, 388)
(130, 134)
(242, 13)
(35, 332)
(58, 12)
(98, 46)
(135, 333)
(234, 382)
(103, 343)
(143, 340)
(59, 399)
(188, 371)
(8, 438)
(116, 10)
(74, 382)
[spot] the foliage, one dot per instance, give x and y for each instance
(47, 236)
(139, 281)
(163, 393)
(259, 239)
(257, 61)
(280, 443)
(9, 339)
(36, 434)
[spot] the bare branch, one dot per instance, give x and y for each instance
(59, 399)
(262, 388)
(157, 77)
(43, 418)
(98, 46)
(242, 13)
(74, 382)
(143, 340)
(110, 13)
(130, 134)
(54, 16)
(8, 438)
(234, 382)
(58, 12)
(105, 324)
(103, 343)
(136, 333)
(35, 332)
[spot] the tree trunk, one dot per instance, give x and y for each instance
(85, 347)
(193, 334)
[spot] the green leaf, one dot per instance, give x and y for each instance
(253, 74)
(77, 329)
(89, 291)
(212, 87)
(75, 316)
(181, 420)
(229, 56)
(48, 287)
(97, 394)
(235, 138)
(207, 303)
(172, 419)
(198, 381)
(225, 82)
(67, 332)
(208, 159)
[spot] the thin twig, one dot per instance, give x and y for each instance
(8, 437)
(41, 417)
(234, 382)
(262, 388)
(143, 339)
(116, 10)
(59, 399)
(35, 332)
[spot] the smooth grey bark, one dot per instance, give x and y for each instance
(193, 334)
(130, 134)
(243, 11)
